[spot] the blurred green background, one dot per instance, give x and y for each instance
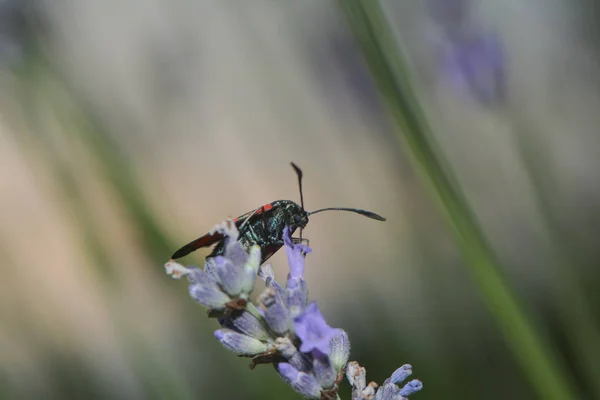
(129, 128)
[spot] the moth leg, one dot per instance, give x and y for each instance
(253, 233)
(303, 241)
(264, 229)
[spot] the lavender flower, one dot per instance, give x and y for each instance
(472, 58)
(474, 64)
(285, 331)
(303, 383)
(241, 344)
(313, 331)
(225, 283)
(357, 376)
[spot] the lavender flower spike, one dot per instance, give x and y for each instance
(280, 328)
(313, 331)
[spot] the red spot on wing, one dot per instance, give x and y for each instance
(257, 211)
(204, 241)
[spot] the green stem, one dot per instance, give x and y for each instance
(389, 71)
(251, 308)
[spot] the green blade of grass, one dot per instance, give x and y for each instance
(539, 364)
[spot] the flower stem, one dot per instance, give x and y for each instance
(389, 70)
(251, 308)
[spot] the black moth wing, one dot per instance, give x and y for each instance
(203, 241)
(211, 239)
(256, 227)
(269, 251)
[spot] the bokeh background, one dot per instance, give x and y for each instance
(128, 128)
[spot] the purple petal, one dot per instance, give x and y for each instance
(401, 374)
(301, 382)
(301, 361)
(240, 344)
(205, 291)
(246, 323)
(198, 275)
(297, 296)
(235, 252)
(275, 312)
(323, 370)
(295, 254)
(313, 331)
(411, 387)
(250, 270)
(231, 276)
(233, 249)
(339, 350)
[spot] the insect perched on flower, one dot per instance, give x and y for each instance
(264, 226)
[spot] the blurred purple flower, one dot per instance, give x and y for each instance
(472, 58)
(449, 13)
(474, 64)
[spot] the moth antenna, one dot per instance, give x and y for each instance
(368, 214)
(299, 173)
